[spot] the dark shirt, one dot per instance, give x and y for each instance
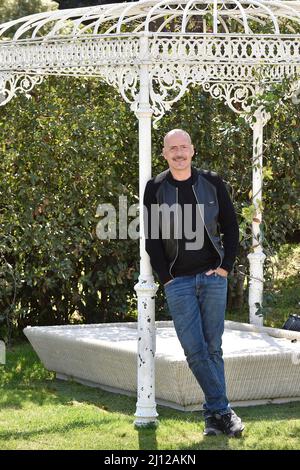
(190, 261)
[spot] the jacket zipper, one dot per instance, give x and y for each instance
(207, 229)
(172, 264)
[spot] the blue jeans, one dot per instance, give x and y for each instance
(197, 305)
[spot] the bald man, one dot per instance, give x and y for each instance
(186, 210)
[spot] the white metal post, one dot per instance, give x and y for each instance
(145, 288)
(257, 256)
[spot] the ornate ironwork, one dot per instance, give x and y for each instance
(12, 84)
(227, 47)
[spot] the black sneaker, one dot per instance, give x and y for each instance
(230, 424)
(212, 427)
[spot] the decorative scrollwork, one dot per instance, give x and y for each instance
(228, 65)
(10, 85)
(260, 114)
(228, 68)
(167, 85)
(294, 91)
(125, 80)
(236, 96)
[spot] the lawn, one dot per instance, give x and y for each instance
(40, 412)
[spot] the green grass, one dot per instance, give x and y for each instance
(39, 412)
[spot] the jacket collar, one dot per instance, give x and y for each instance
(194, 170)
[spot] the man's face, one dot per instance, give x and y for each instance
(178, 151)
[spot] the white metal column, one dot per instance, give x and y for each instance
(257, 256)
(145, 288)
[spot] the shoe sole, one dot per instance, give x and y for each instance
(236, 433)
(212, 433)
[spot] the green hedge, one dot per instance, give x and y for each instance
(72, 145)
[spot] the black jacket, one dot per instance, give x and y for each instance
(168, 255)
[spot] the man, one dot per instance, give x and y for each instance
(194, 275)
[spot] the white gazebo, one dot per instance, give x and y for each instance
(152, 52)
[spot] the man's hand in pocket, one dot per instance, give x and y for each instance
(222, 272)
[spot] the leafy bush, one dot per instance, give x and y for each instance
(63, 154)
(73, 145)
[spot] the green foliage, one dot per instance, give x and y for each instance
(223, 143)
(72, 145)
(14, 9)
(62, 154)
(281, 297)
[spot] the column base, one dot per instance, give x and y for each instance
(146, 407)
(146, 417)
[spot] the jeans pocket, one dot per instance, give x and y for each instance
(221, 277)
(169, 283)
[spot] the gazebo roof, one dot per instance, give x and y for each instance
(229, 47)
(166, 16)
